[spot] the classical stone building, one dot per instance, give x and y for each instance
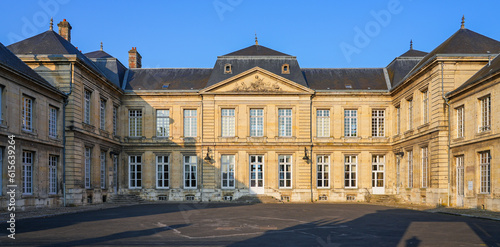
(258, 123)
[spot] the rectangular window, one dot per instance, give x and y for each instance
(1, 106)
(285, 122)
(53, 174)
(350, 123)
(460, 122)
(53, 122)
(323, 171)
(228, 122)
(86, 106)
(378, 167)
(103, 169)
(162, 171)
(398, 119)
(410, 114)
(190, 173)
(323, 123)
(285, 172)
(378, 121)
(115, 120)
(135, 172)
(102, 114)
(460, 175)
(227, 162)
(190, 121)
(484, 164)
(27, 113)
(135, 123)
(425, 106)
(350, 171)
(256, 122)
(88, 162)
(425, 166)
(485, 114)
(27, 172)
(410, 169)
(162, 123)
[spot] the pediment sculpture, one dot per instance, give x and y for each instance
(258, 85)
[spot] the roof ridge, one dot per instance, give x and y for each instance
(166, 68)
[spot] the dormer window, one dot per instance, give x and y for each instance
(228, 69)
(285, 69)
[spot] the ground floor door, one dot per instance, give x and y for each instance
(460, 181)
(378, 183)
(257, 174)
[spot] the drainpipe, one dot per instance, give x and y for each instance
(66, 101)
(202, 160)
(449, 133)
(311, 139)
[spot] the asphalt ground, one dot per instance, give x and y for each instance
(259, 225)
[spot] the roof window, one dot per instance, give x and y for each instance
(228, 69)
(285, 69)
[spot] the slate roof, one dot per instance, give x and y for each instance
(340, 79)
(463, 41)
(49, 43)
(111, 67)
(403, 64)
(11, 61)
(176, 79)
(487, 70)
(256, 50)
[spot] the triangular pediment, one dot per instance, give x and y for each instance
(257, 80)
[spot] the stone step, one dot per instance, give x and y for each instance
(383, 198)
(258, 199)
(125, 199)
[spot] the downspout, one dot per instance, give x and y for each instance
(449, 133)
(311, 140)
(66, 101)
(202, 160)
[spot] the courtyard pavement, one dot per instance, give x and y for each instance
(231, 224)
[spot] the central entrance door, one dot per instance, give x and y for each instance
(378, 164)
(256, 174)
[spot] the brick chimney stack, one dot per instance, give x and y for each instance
(134, 59)
(65, 30)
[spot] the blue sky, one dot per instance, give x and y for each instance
(322, 34)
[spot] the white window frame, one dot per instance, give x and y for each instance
(53, 174)
(323, 171)
(485, 172)
(410, 169)
(350, 123)
(163, 123)
(285, 171)
(460, 121)
(425, 167)
(191, 173)
(322, 123)
(398, 119)
(102, 114)
(227, 172)
(135, 172)
(228, 122)
(163, 171)
(115, 120)
(88, 165)
(257, 122)
(190, 122)
(102, 159)
(460, 175)
(52, 122)
(27, 113)
(378, 161)
(135, 123)
(410, 114)
(86, 105)
(285, 122)
(378, 123)
(351, 171)
(425, 106)
(28, 160)
(485, 104)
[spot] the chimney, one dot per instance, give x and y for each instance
(65, 30)
(134, 59)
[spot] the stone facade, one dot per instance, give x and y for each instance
(257, 123)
